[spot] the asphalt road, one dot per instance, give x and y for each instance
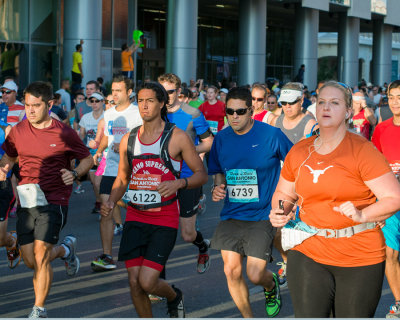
(106, 295)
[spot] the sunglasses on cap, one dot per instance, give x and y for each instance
(239, 112)
(109, 101)
(171, 91)
(284, 103)
(94, 100)
(257, 99)
(6, 91)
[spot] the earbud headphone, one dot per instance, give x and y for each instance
(347, 115)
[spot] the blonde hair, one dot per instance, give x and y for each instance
(171, 78)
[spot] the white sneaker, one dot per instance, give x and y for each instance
(38, 313)
(72, 261)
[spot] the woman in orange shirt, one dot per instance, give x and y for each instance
(335, 178)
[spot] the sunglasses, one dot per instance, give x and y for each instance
(239, 112)
(94, 100)
(257, 99)
(270, 102)
(171, 91)
(6, 92)
(109, 101)
(284, 103)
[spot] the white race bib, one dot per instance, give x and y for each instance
(143, 190)
(242, 185)
(143, 196)
(30, 195)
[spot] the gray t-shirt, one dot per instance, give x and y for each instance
(295, 134)
(80, 110)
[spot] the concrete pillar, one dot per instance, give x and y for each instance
(381, 53)
(181, 47)
(306, 44)
(252, 41)
(348, 39)
(83, 20)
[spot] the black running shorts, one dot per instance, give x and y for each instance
(41, 223)
(106, 184)
(189, 201)
(7, 199)
(147, 245)
(248, 238)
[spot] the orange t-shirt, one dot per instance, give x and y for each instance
(126, 61)
(326, 181)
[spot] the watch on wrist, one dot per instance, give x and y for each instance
(75, 174)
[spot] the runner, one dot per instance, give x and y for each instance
(336, 267)
(213, 110)
(118, 121)
(363, 119)
(192, 121)
(7, 200)
(44, 188)
(259, 96)
(386, 139)
(152, 217)
(87, 132)
(245, 158)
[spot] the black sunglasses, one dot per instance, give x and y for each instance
(239, 112)
(6, 92)
(171, 91)
(258, 99)
(94, 100)
(284, 103)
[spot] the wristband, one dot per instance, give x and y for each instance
(186, 183)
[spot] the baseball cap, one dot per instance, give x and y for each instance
(290, 95)
(97, 96)
(224, 90)
(10, 85)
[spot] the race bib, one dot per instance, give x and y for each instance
(30, 195)
(242, 185)
(143, 190)
(395, 165)
(213, 126)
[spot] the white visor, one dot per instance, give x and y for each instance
(97, 96)
(290, 95)
(358, 98)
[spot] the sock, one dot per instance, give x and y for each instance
(67, 252)
(199, 242)
(41, 308)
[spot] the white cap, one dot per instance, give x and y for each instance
(97, 96)
(290, 95)
(224, 90)
(10, 85)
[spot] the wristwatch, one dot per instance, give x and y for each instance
(75, 174)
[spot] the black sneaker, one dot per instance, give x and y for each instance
(176, 308)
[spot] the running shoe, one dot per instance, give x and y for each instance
(103, 262)
(202, 205)
(118, 230)
(394, 311)
(13, 253)
(273, 299)
(176, 308)
(72, 262)
(13, 212)
(38, 313)
(79, 189)
(282, 273)
(96, 208)
(203, 261)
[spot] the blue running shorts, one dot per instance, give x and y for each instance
(391, 231)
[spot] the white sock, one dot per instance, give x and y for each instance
(67, 251)
(41, 308)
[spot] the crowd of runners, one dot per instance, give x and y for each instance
(313, 173)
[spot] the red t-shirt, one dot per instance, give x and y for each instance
(386, 139)
(43, 153)
(361, 124)
(214, 114)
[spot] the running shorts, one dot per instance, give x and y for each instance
(391, 231)
(7, 199)
(106, 184)
(248, 238)
(189, 201)
(41, 223)
(147, 245)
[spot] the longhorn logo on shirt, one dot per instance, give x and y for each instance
(317, 173)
